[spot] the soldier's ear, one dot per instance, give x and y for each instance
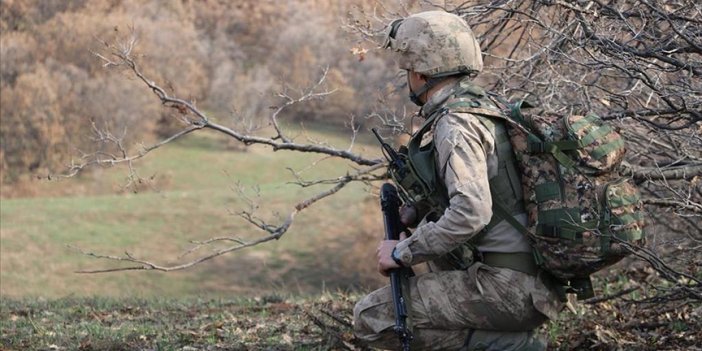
(418, 77)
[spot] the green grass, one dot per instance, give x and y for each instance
(195, 179)
(158, 324)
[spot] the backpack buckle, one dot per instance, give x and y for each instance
(550, 230)
(607, 217)
(537, 147)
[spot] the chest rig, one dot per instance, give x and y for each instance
(417, 176)
(419, 181)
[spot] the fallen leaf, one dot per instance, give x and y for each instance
(360, 52)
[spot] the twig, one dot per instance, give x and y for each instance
(600, 299)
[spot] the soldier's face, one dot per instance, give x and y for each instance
(415, 81)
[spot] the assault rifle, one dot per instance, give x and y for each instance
(390, 204)
(396, 162)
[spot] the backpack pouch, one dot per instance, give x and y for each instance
(598, 148)
(623, 217)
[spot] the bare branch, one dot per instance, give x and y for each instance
(659, 173)
(310, 94)
(274, 232)
(689, 205)
(279, 142)
(690, 285)
(102, 159)
(600, 299)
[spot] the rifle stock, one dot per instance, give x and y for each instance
(390, 204)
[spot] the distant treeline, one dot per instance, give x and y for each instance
(231, 57)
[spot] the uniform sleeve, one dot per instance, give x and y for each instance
(463, 146)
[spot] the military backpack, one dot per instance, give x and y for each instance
(582, 214)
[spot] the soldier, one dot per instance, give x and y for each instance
(483, 291)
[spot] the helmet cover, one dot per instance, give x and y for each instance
(435, 44)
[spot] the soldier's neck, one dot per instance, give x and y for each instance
(437, 94)
(440, 85)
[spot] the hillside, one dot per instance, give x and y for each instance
(275, 322)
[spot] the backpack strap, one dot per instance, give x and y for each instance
(505, 187)
(502, 212)
(535, 144)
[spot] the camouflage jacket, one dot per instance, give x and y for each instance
(466, 160)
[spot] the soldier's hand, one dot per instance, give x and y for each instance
(408, 215)
(384, 252)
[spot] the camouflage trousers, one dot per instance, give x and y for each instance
(502, 307)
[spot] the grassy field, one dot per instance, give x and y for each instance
(196, 181)
(293, 294)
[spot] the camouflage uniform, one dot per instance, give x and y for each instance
(447, 304)
(497, 307)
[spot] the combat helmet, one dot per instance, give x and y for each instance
(435, 44)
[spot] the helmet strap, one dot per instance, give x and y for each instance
(415, 95)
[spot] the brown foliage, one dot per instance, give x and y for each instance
(230, 57)
(33, 116)
(18, 52)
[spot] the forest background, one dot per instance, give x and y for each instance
(239, 61)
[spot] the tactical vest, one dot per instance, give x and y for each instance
(422, 187)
